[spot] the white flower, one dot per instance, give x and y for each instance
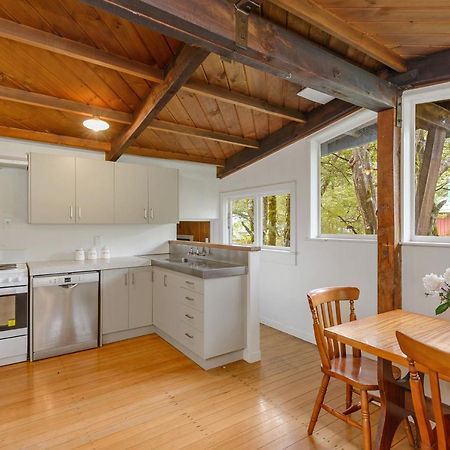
(433, 282)
(447, 276)
(435, 297)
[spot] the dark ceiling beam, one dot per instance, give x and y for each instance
(271, 48)
(183, 66)
(292, 132)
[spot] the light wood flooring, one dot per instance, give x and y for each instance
(142, 393)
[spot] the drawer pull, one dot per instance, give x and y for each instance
(189, 335)
(188, 316)
(189, 298)
(191, 283)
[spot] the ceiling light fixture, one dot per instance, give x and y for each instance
(96, 124)
(315, 96)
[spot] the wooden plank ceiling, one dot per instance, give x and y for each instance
(64, 60)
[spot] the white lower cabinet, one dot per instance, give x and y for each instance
(126, 299)
(205, 316)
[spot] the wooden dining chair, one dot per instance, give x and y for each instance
(437, 363)
(359, 373)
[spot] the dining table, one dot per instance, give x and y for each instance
(375, 335)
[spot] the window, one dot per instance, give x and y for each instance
(348, 182)
(261, 216)
(432, 169)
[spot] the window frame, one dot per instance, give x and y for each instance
(352, 121)
(257, 193)
(409, 101)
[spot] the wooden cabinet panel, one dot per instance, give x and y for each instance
(51, 189)
(140, 308)
(94, 191)
(130, 193)
(163, 195)
(115, 302)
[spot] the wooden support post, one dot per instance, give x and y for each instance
(389, 254)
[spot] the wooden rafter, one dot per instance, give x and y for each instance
(185, 63)
(102, 146)
(47, 101)
(292, 132)
(49, 41)
(236, 98)
(271, 48)
(318, 16)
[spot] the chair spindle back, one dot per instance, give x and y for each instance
(325, 305)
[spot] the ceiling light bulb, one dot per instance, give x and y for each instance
(96, 124)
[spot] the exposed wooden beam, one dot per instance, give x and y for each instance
(389, 252)
(431, 69)
(433, 114)
(50, 102)
(47, 101)
(185, 63)
(202, 133)
(271, 48)
(101, 146)
(320, 17)
(292, 132)
(51, 42)
(236, 98)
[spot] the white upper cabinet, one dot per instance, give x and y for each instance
(131, 193)
(94, 191)
(51, 189)
(163, 195)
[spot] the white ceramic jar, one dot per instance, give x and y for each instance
(105, 253)
(92, 253)
(79, 255)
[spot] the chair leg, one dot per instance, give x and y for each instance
(318, 404)
(348, 396)
(366, 420)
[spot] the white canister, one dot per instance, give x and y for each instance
(79, 255)
(92, 253)
(105, 253)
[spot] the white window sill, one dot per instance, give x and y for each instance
(425, 244)
(354, 240)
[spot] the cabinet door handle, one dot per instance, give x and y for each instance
(165, 280)
(145, 213)
(71, 212)
(132, 278)
(79, 212)
(189, 298)
(188, 316)
(189, 335)
(152, 215)
(153, 276)
(126, 279)
(191, 283)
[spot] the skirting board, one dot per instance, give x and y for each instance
(127, 334)
(301, 334)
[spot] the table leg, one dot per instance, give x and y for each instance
(392, 396)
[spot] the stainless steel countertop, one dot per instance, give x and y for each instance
(199, 267)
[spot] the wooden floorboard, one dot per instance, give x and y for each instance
(144, 394)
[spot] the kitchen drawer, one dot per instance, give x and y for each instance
(192, 339)
(15, 346)
(191, 299)
(192, 283)
(192, 317)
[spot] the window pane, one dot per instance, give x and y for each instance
(348, 182)
(277, 220)
(432, 169)
(242, 221)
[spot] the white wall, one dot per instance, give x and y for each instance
(22, 241)
(284, 283)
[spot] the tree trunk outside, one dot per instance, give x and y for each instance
(364, 187)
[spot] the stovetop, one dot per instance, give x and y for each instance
(12, 275)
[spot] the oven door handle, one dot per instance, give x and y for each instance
(13, 290)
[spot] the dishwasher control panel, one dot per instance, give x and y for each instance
(65, 279)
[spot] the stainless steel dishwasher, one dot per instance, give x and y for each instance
(65, 313)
